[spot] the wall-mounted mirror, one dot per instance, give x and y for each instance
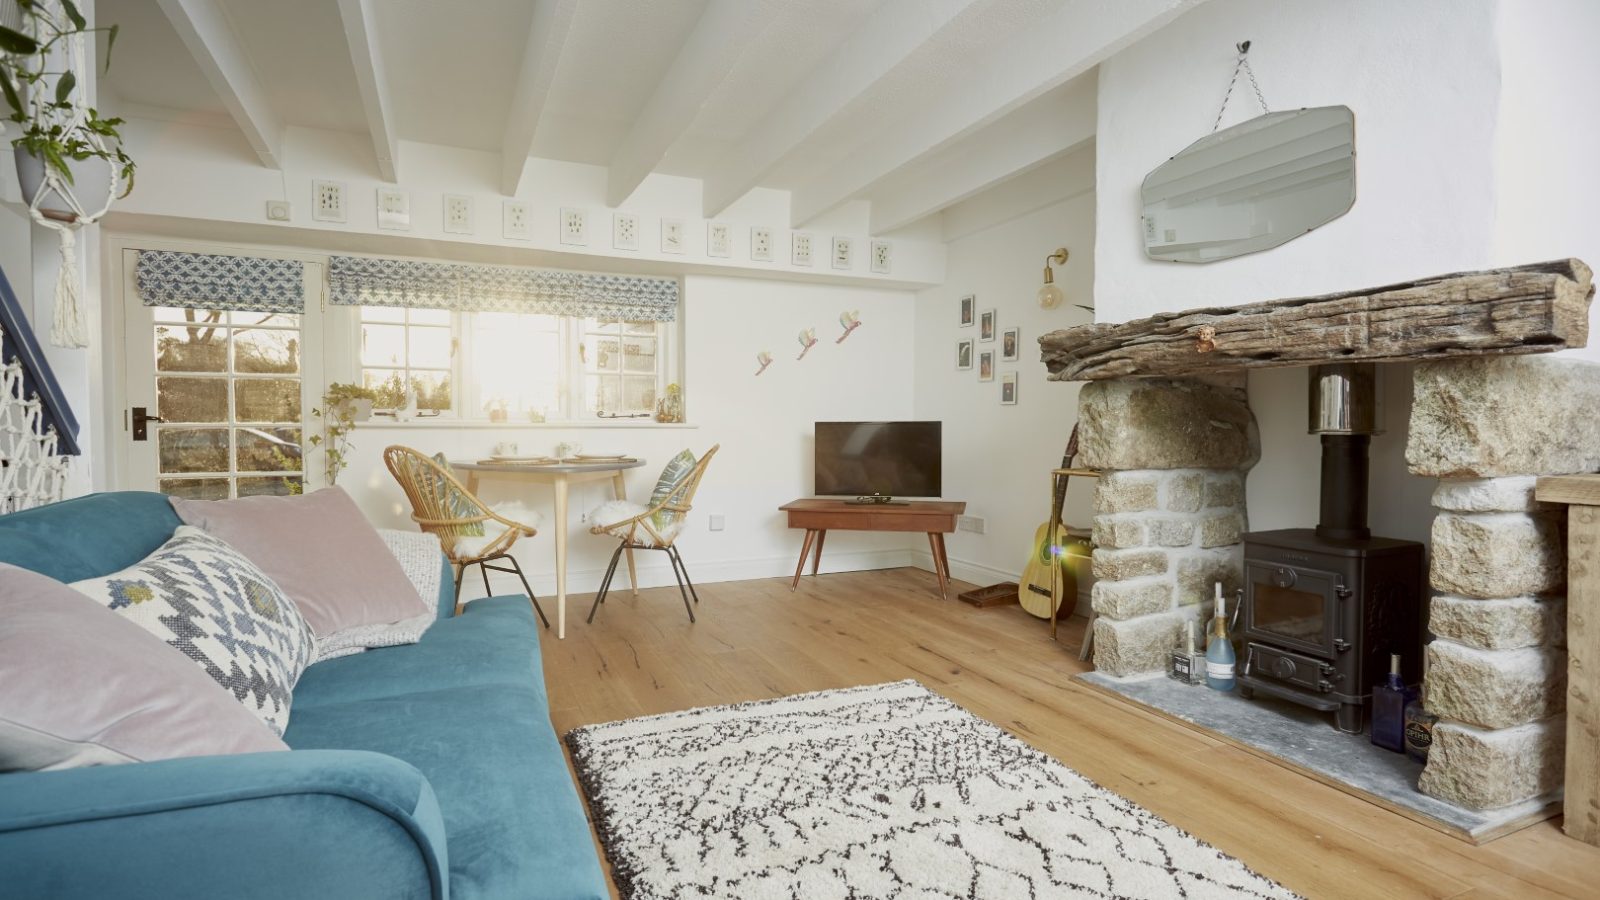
(1252, 187)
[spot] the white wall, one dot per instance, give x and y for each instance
(997, 458)
(764, 425)
(1423, 78)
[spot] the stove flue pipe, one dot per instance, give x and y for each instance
(1346, 409)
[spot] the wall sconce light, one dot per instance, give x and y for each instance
(1051, 296)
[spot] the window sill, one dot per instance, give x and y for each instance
(485, 424)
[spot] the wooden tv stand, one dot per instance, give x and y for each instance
(935, 518)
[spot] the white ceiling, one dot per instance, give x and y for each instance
(788, 93)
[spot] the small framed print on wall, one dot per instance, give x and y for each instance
(969, 305)
(986, 325)
(986, 365)
(964, 355)
(1010, 344)
(1008, 389)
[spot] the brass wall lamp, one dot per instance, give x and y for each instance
(1050, 296)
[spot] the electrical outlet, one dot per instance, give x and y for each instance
(574, 227)
(457, 214)
(800, 249)
(625, 231)
(327, 201)
(882, 252)
(394, 209)
(717, 522)
(761, 244)
(842, 255)
(719, 239)
(278, 210)
(973, 524)
(514, 220)
(671, 235)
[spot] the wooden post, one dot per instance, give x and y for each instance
(1582, 495)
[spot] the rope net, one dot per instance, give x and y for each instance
(31, 472)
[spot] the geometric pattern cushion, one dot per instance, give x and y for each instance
(677, 469)
(460, 507)
(203, 598)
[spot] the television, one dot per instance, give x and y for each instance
(878, 460)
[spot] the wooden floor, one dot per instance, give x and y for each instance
(757, 640)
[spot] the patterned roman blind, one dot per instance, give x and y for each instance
(377, 281)
(212, 281)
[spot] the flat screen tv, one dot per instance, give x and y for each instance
(878, 459)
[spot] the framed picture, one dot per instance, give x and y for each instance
(986, 365)
(969, 304)
(1010, 344)
(986, 325)
(1008, 389)
(964, 355)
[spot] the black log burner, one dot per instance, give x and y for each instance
(1322, 608)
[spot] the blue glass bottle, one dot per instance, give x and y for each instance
(1219, 649)
(1389, 709)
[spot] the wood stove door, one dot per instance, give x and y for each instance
(1292, 606)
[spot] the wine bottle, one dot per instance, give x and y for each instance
(1188, 664)
(1389, 709)
(1219, 649)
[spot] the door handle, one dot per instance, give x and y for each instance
(141, 419)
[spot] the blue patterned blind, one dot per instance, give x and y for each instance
(377, 281)
(212, 281)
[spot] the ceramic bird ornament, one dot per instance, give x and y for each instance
(765, 359)
(808, 339)
(849, 320)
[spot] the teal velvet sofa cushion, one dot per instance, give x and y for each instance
(422, 771)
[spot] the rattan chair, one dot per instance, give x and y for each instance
(443, 506)
(641, 532)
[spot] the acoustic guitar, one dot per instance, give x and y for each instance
(1038, 591)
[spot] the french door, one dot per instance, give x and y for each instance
(218, 403)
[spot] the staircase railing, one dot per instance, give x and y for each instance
(38, 432)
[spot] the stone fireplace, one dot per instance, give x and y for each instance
(1167, 419)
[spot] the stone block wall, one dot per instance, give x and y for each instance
(1169, 508)
(1496, 669)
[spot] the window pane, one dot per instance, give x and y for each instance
(390, 385)
(268, 449)
(639, 354)
(195, 488)
(430, 348)
(180, 314)
(639, 393)
(433, 389)
(192, 399)
(640, 327)
(192, 449)
(241, 318)
(276, 486)
(606, 393)
(383, 345)
(181, 349)
(258, 350)
(605, 354)
(383, 314)
(267, 400)
(516, 361)
(430, 317)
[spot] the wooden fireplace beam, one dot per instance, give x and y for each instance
(1537, 308)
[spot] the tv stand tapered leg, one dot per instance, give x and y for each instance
(805, 551)
(816, 561)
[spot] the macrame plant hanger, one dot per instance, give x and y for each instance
(1243, 64)
(68, 328)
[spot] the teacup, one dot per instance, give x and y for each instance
(505, 448)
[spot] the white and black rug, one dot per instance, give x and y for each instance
(886, 790)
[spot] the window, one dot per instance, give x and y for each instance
(538, 367)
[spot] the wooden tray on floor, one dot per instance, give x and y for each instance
(993, 595)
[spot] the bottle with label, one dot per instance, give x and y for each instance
(1188, 664)
(1419, 730)
(1219, 649)
(1389, 709)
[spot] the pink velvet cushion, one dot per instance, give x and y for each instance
(83, 686)
(320, 550)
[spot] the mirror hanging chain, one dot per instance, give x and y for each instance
(1243, 63)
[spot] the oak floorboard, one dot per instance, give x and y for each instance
(757, 640)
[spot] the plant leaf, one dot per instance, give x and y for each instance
(64, 86)
(17, 42)
(111, 41)
(13, 99)
(72, 13)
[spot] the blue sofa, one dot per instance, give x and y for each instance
(426, 771)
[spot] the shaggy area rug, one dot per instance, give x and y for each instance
(886, 790)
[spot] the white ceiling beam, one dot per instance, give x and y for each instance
(885, 40)
(205, 30)
(552, 21)
(1043, 56)
(360, 34)
(1027, 138)
(722, 36)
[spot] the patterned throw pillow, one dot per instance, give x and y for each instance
(203, 598)
(677, 469)
(460, 507)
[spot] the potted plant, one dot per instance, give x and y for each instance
(57, 132)
(343, 405)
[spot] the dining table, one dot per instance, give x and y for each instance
(561, 475)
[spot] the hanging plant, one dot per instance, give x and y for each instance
(342, 407)
(70, 160)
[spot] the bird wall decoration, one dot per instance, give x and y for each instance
(849, 319)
